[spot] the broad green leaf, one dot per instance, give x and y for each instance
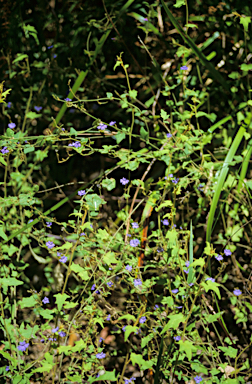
(209, 285)
(109, 258)
(28, 149)
(2, 233)
(33, 115)
(10, 281)
(198, 262)
(245, 22)
(27, 302)
(174, 322)
(229, 351)
(109, 184)
(138, 359)
(80, 271)
(145, 340)
(107, 376)
(144, 134)
(60, 299)
(19, 57)
(187, 347)
(129, 329)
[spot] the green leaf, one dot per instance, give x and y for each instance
(60, 299)
(28, 149)
(133, 93)
(94, 201)
(80, 271)
(27, 302)
(110, 376)
(46, 314)
(145, 340)
(245, 20)
(127, 317)
(110, 258)
(129, 330)
(46, 367)
(209, 285)
(109, 184)
(73, 132)
(33, 115)
(144, 134)
(174, 322)
(187, 347)
(179, 3)
(10, 281)
(198, 262)
(246, 67)
(138, 359)
(120, 136)
(229, 351)
(2, 233)
(19, 57)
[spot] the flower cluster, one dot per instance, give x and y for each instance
(76, 144)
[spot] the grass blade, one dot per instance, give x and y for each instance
(215, 74)
(190, 275)
(221, 180)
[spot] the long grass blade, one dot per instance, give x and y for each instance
(190, 274)
(221, 180)
(244, 169)
(214, 73)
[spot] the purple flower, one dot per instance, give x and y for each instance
(237, 292)
(198, 379)
(93, 287)
(177, 338)
(51, 46)
(219, 257)
(50, 244)
(54, 56)
(54, 330)
(9, 104)
(128, 268)
(134, 242)
(184, 68)
(63, 259)
(175, 181)
(168, 135)
(227, 252)
(97, 292)
(81, 193)
(37, 109)
(22, 346)
(101, 339)
(82, 234)
(100, 355)
(156, 306)
(109, 284)
(142, 319)
(67, 99)
(112, 123)
(7, 368)
(45, 300)
(124, 181)
(210, 279)
(11, 125)
(76, 144)
(59, 254)
(102, 126)
(160, 249)
(187, 263)
(135, 225)
(124, 328)
(137, 282)
(62, 333)
(186, 271)
(4, 150)
(165, 222)
(179, 307)
(175, 291)
(108, 317)
(191, 284)
(128, 234)
(48, 224)
(145, 19)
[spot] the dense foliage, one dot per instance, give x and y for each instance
(125, 192)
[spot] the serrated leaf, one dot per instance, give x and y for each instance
(33, 115)
(80, 271)
(27, 302)
(209, 285)
(187, 347)
(10, 281)
(138, 359)
(199, 262)
(174, 322)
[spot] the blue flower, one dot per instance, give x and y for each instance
(134, 242)
(156, 306)
(4, 150)
(187, 263)
(48, 224)
(9, 104)
(184, 68)
(128, 268)
(165, 222)
(109, 284)
(37, 109)
(63, 259)
(124, 181)
(175, 291)
(81, 193)
(219, 257)
(210, 279)
(135, 225)
(22, 346)
(137, 282)
(45, 300)
(54, 330)
(51, 46)
(168, 135)
(102, 126)
(112, 123)
(62, 334)
(67, 99)
(50, 244)
(198, 379)
(237, 292)
(177, 338)
(93, 287)
(108, 317)
(11, 125)
(100, 355)
(227, 252)
(7, 368)
(142, 319)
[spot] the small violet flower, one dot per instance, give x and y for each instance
(45, 300)
(219, 257)
(137, 282)
(48, 224)
(50, 244)
(175, 291)
(165, 222)
(227, 252)
(128, 268)
(124, 181)
(168, 135)
(50, 46)
(142, 319)
(187, 263)
(112, 123)
(81, 193)
(54, 330)
(100, 355)
(108, 317)
(134, 242)
(67, 99)
(63, 259)
(237, 292)
(9, 104)
(210, 279)
(37, 109)
(62, 334)
(109, 284)
(22, 346)
(102, 126)
(135, 225)
(184, 68)
(198, 379)
(177, 338)
(11, 125)
(4, 150)
(7, 368)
